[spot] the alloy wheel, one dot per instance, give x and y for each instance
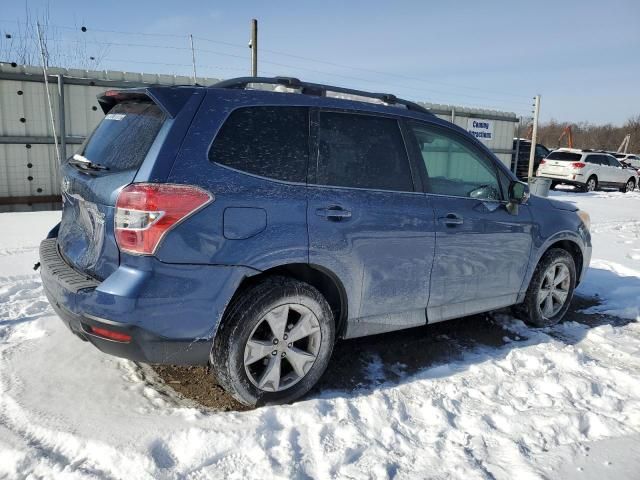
(554, 289)
(591, 185)
(282, 347)
(630, 186)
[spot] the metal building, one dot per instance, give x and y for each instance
(28, 163)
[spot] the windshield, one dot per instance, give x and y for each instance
(634, 162)
(564, 156)
(123, 138)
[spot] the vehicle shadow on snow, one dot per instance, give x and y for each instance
(362, 365)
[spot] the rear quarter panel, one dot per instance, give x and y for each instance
(252, 221)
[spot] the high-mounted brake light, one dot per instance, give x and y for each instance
(145, 212)
(578, 165)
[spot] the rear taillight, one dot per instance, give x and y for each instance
(145, 212)
(542, 162)
(578, 165)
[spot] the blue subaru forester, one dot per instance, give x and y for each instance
(251, 224)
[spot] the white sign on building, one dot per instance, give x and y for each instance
(481, 129)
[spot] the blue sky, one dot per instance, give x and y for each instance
(583, 57)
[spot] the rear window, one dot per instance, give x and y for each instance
(564, 156)
(124, 137)
(272, 142)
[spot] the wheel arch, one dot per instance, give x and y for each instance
(573, 248)
(327, 283)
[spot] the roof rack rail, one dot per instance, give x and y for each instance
(318, 89)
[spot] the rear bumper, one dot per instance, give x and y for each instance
(143, 347)
(576, 179)
(171, 312)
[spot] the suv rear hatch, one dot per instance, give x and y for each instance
(560, 162)
(91, 179)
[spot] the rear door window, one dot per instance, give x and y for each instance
(124, 137)
(268, 141)
(594, 159)
(362, 151)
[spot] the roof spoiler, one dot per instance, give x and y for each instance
(170, 100)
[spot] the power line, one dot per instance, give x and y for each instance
(508, 104)
(300, 57)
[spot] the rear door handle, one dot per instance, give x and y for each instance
(451, 219)
(333, 213)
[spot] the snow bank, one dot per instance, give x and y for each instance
(533, 408)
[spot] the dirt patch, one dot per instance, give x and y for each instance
(197, 384)
(366, 362)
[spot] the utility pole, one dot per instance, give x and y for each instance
(253, 45)
(534, 135)
(193, 60)
(46, 87)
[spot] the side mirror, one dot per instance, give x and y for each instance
(518, 193)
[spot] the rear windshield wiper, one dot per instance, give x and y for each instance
(83, 163)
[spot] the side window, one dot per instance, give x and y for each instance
(594, 159)
(271, 142)
(454, 168)
(613, 162)
(362, 151)
(541, 151)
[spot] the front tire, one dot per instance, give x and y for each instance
(629, 186)
(275, 342)
(550, 290)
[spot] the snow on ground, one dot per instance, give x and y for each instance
(562, 402)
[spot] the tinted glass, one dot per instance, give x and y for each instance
(595, 159)
(362, 151)
(612, 161)
(455, 168)
(123, 138)
(271, 142)
(564, 156)
(541, 151)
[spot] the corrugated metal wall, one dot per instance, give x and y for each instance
(28, 165)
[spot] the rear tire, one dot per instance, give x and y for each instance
(591, 185)
(550, 290)
(280, 315)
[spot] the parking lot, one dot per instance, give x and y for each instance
(533, 401)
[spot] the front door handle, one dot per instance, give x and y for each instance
(451, 219)
(333, 213)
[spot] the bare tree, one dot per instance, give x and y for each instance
(62, 47)
(590, 135)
